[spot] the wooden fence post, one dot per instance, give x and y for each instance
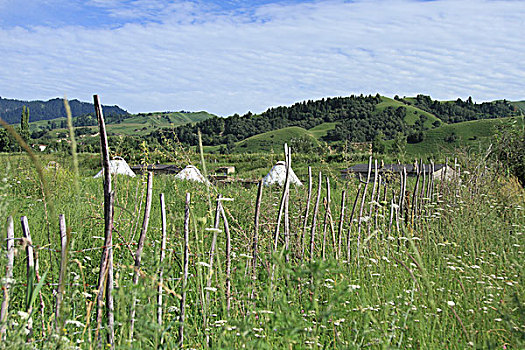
(305, 223)
(314, 218)
(140, 246)
(162, 255)
(31, 275)
(106, 259)
(8, 277)
(185, 269)
(63, 268)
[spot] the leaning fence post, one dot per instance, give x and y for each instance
(107, 253)
(314, 218)
(360, 219)
(140, 246)
(256, 235)
(341, 221)
(162, 255)
(306, 212)
(31, 275)
(348, 241)
(8, 276)
(228, 260)
(62, 275)
(185, 269)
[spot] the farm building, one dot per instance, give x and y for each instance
(225, 170)
(157, 169)
(277, 176)
(441, 171)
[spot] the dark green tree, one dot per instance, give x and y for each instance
(399, 145)
(378, 145)
(24, 124)
(4, 140)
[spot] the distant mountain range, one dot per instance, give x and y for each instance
(11, 109)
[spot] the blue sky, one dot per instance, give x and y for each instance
(233, 56)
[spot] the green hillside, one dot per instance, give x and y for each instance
(321, 130)
(136, 124)
(412, 114)
(273, 140)
(520, 105)
(474, 134)
(165, 119)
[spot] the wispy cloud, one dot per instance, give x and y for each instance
(160, 55)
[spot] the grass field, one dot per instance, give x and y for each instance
(447, 274)
(412, 114)
(321, 130)
(139, 124)
(273, 141)
(473, 135)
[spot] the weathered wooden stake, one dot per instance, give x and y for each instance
(303, 234)
(228, 260)
(185, 269)
(140, 246)
(107, 253)
(31, 275)
(341, 221)
(325, 226)
(161, 261)
(360, 219)
(314, 219)
(349, 235)
(63, 273)
(4, 311)
(256, 235)
(216, 230)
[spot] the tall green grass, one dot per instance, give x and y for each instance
(454, 280)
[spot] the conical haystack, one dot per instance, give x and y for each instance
(277, 176)
(118, 166)
(191, 173)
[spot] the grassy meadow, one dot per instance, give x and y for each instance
(442, 269)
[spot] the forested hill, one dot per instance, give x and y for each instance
(461, 111)
(11, 110)
(359, 118)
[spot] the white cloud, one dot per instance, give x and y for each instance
(197, 59)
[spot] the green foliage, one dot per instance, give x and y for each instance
(378, 146)
(509, 148)
(460, 111)
(399, 145)
(24, 124)
(4, 140)
(274, 140)
(43, 110)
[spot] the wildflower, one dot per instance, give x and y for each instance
(202, 263)
(354, 286)
(266, 312)
(451, 303)
(75, 323)
(23, 315)
(211, 289)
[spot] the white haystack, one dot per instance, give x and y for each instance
(278, 176)
(118, 166)
(191, 173)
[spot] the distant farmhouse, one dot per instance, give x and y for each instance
(157, 169)
(441, 171)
